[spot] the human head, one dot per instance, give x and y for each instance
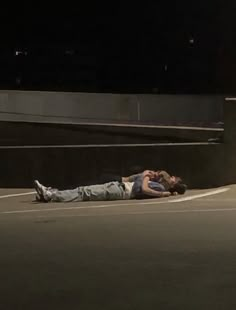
(178, 187)
(163, 176)
(175, 180)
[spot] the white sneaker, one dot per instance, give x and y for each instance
(44, 194)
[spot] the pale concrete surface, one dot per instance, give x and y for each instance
(151, 254)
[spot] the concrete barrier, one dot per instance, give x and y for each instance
(31, 133)
(201, 165)
(87, 107)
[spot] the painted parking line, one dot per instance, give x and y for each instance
(214, 192)
(16, 195)
(217, 191)
(80, 207)
(217, 210)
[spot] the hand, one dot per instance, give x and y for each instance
(166, 194)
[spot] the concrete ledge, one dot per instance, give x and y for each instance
(30, 133)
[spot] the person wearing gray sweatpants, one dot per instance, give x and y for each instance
(140, 186)
(100, 192)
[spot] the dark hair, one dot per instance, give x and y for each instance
(180, 188)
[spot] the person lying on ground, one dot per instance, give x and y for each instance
(144, 186)
(159, 176)
(151, 184)
(159, 180)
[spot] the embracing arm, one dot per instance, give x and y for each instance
(133, 177)
(130, 178)
(150, 192)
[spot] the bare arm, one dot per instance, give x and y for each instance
(150, 192)
(132, 177)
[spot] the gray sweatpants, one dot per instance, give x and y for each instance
(107, 191)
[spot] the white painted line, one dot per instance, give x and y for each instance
(16, 195)
(140, 213)
(173, 211)
(133, 213)
(218, 191)
(135, 203)
(81, 207)
(153, 202)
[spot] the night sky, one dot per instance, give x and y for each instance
(166, 47)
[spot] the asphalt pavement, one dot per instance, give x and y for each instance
(168, 253)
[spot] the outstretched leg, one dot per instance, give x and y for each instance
(100, 192)
(46, 194)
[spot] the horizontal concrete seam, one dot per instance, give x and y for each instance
(102, 123)
(106, 145)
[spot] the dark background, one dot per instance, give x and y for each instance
(165, 47)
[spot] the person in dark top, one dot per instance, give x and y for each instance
(151, 184)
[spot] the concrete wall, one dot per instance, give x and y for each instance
(68, 167)
(28, 133)
(81, 107)
(201, 166)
